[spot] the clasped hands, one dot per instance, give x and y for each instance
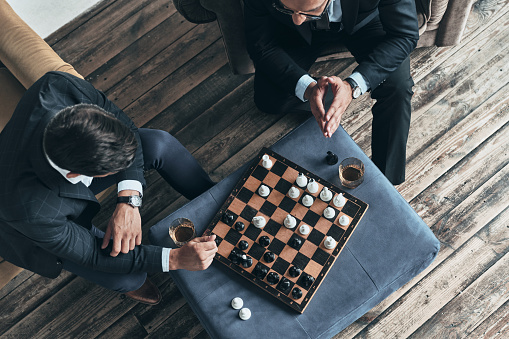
(342, 96)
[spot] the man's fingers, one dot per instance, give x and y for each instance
(106, 239)
(117, 246)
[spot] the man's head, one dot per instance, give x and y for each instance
(302, 10)
(86, 139)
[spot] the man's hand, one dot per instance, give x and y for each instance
(342, 96)
(125, 228)
(196, 255)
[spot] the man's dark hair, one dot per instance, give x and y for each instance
(86, 139)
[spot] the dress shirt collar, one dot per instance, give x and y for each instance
(81, 178)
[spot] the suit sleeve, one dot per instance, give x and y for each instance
(399, 21)
(267, 55)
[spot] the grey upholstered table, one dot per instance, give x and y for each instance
(389, 247)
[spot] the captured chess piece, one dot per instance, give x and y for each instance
(331, 158)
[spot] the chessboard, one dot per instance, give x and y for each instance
(285, 262)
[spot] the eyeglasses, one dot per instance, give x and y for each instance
(281, 8)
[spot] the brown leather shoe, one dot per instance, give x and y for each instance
(148, 294)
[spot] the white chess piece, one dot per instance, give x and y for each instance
(343, 220)
(304, 229)
(326, 194)
(307, 200)
(259, 221)
(312, 186)
(290, 221)
(301, 181)
(293, 192)
(245, 313)
(329, 213)
(329, 243)
(237, 303)
(264, 191)
(266, 162)
(339, 200)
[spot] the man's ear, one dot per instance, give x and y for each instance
(71, 175)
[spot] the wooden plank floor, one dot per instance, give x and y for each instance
(169, 74)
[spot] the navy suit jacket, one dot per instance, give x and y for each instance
(43, 217)
(263, 25)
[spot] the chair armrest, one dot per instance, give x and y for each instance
(453, 23)
(230, 17)
(27, 56)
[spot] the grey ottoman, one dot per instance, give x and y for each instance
(389, 247)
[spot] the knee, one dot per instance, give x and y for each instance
(128, 282)
(394, 89)
(155, 142)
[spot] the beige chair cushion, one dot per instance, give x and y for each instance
(10, 93)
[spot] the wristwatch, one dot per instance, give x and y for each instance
(133, 200)
(356, 90)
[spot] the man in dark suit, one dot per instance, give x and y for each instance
(65, 143)
(285, 37)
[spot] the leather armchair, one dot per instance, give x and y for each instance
(441, 23)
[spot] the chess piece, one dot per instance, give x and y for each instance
(293, 192)
(296, 293)
(294, 271)
(307, 280)
(290, 221)
(266, 162)
(301, 181)
(326, 194)
(307, 200)
(284, 285)
(247, 261)
(228, 218)
(331, 158)
(304, 229)
(273, 278)
(269, 257)
(264, 241)
(339, 200)
(344, 220)
(259, 222)
(312, 186)
(260, 271)
(329, 243)
(243, 245)
(329, 213)
(263, 191)
(245, 314)
(239, 226)
(237, 303)
(295, 242)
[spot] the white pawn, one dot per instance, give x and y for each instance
(307, 200)
(329, 213)
(312, 186)
(237, 303)
(290, 221)
(343, 220)
(266, 162)
(293, 192)
(245, 313)
(326, 194)
(339, 200)
(304, 229)
(301, 181)
(264, 191)
(259, 221)
(329, 243)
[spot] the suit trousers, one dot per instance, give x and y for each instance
(391, 112)
(164, 153)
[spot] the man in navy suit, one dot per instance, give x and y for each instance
(285, 37)
(65, 143)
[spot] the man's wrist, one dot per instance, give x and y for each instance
(309, 90)
(173, 261)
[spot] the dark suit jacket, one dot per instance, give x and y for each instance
(43, 217)
(263, 24)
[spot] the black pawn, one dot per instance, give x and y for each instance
(264, 241)
(235, 257)
(247, 262)
(260, 271)
(308, 281)
(294, 271)
(284, 285)
(296, 293)
(331, 158)
(228, 218)
(243, 245)
(273, 278)
(295, 243)
(239, 226)
(269, 257)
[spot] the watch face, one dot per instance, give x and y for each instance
(135, 200)
(356, 92)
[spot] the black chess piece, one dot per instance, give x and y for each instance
(295, 242)
(294, 271)
(269, 257)
(247, 262)
(284, 285)
(228, 218)
(235, 256)
(296, 293)
(308, 280)
(264, 241)
(260, 271)
(243, 245)
(239, 226)
(273, 278)
(331, 158)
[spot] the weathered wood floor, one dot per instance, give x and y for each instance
(169, 74)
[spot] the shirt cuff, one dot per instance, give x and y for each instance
(302, 85)
(130, 185)
(165, 257)
(361, 81)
